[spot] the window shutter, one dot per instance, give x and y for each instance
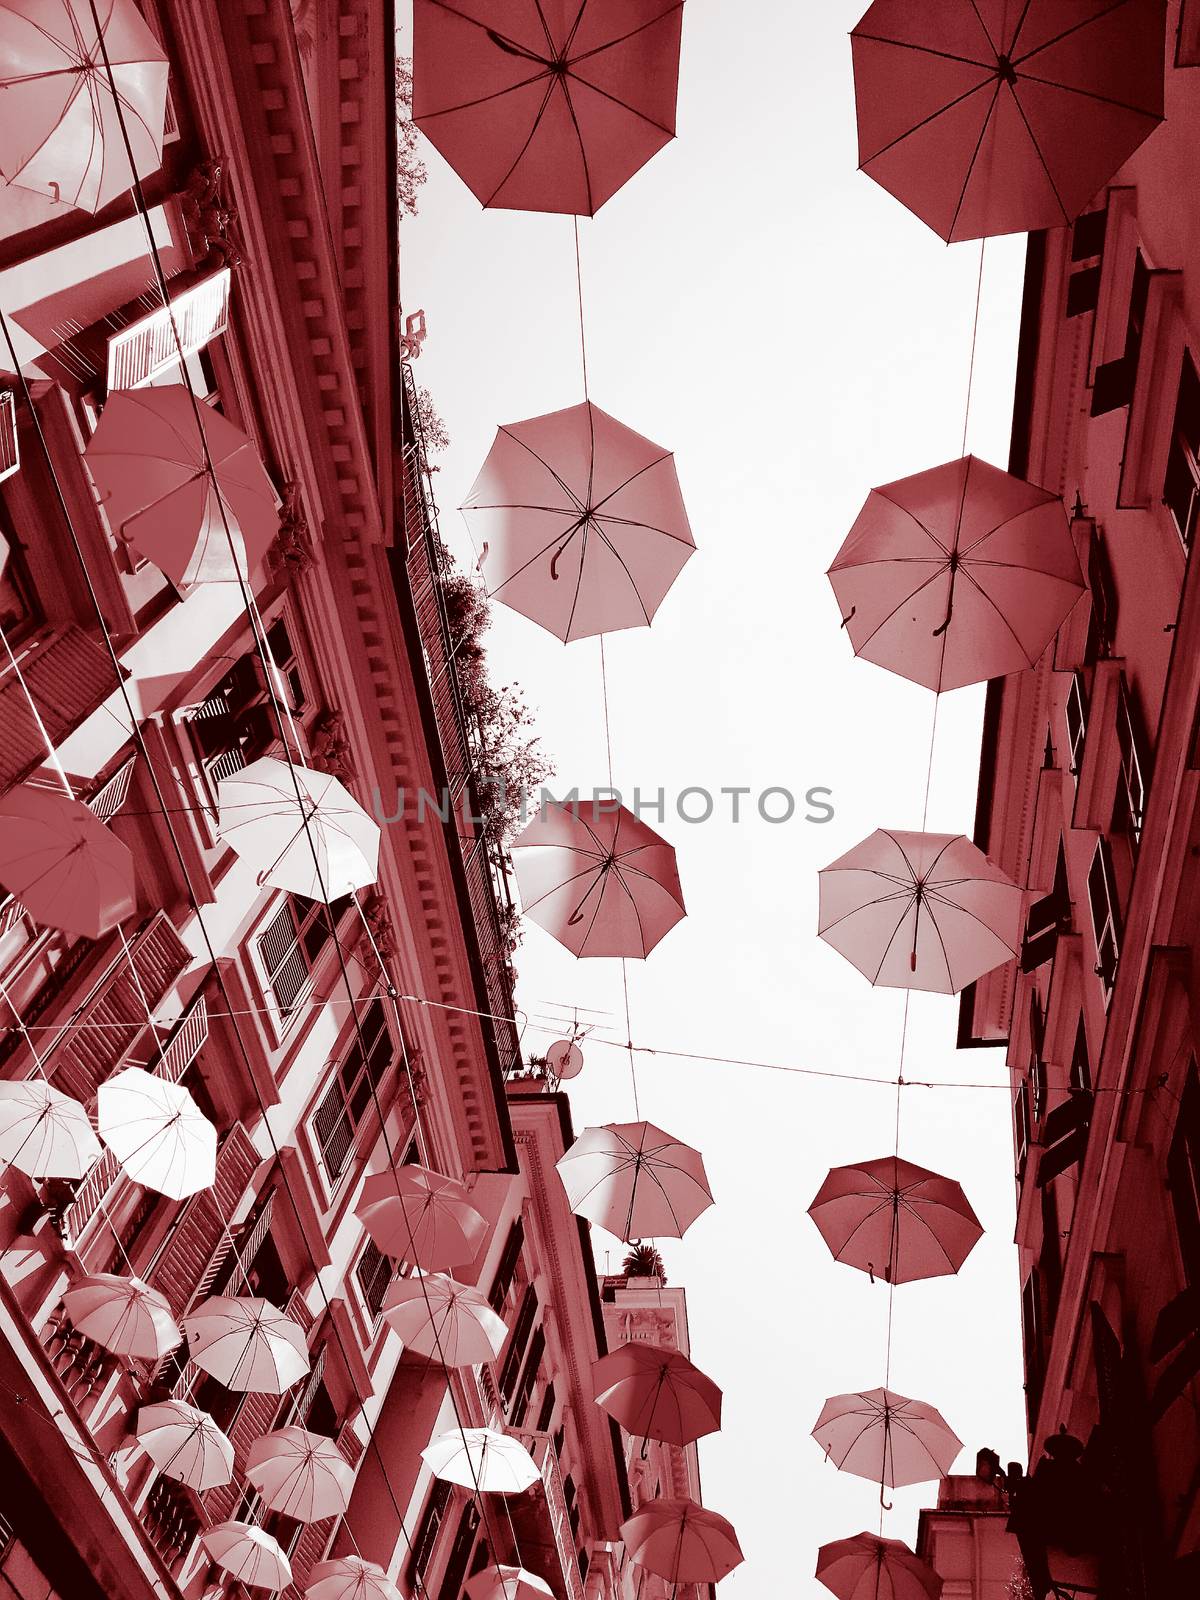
(508, 1265)
(255, 1416)
(427, 1532)
(533, 1361)
(10, 450)
(310, 1548)
(1176, 1330)
(150, 345)
(1104, 593)
(517, 1343)
(1064, 1137)
(1103, 905)
(331, 1124)
(460, 1553)
(68, 677)
(196, 1248)
(1083, 291)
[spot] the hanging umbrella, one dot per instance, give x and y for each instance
(895, 1220)
(597, 878)
(247, 1553)
(657, 1393)
(322, 845)
(124, 1315)
(885, 1437)
(546, 108)
(508, 1583)
(987, 119)
(446, 1321)
(186, 1444)
(350, 1578)
(301, 1475)
(481, 1458)
(157, 1132)
(60, 130)
(635, 1180)
(417, 1215)
(43, 1132)
(681, 1542)
(150, 464)
(920, 910)
(868, 1567)
(246, 1344)
(581, 521)
(64, 866)
(957, 574)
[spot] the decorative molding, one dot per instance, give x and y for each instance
(211, 222)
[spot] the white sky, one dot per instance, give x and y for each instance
(795, 336)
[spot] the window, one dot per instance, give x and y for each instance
(1048, 918)
(426, 1535)
(508, 1265)
(1076, 715)
(1130, 811)
(1102, 901)
(149, 346)
(1050, 1256)
(1034, 1339)
(1115, 379)
(1081, 1066)
(350, 1097)
(237, 722)
(518, 1339)
(460, 1553)
(1087, 246)
(1021, 1131)
(1183, 1176)
(375, 1273)
(529, 1375)
(292, 942)
(1064, 1136)
(546, 1414)
(1181, 484)
(1102, 631)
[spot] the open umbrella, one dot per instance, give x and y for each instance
(60, 131)
(417, 1215)
(43, 1132)
(350, 1578)
(885, 1437)
(597, 878)
(185, 1443)
(446, 1321)
(868, 1567)
(920, 910)
(322, 845)
(246, 1344)
(895, 1220)
(581, 521)
(681, 1542)
(124, 1315)
(481, 1458)
(635, 1180)
(247, 1553)
(157, 1132)
(985, 118)
(301, 1475)
(546, 108)
(150, 463)
(657, 1393)
(956, 574)
(508, 1583)
(64, 866)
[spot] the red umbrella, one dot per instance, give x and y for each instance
(657, 1393)
(957, 574)
(988, 116)
(597, 878)
(869, 1567)
(581, 522)
(546, 107)
(920, 910)
(64, 866)
(895, 1220)
(886, 1437)
(681, 1541)
(417, 1215)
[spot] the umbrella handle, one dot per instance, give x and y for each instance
(845, 623)
(886, 1504)
(645, 1447)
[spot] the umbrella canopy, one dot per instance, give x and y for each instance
(681, 1542)
(895, 1220)
(246, 1344)
(417, 1215)
(868, 1567)
(124, 1315)
(481, 1458)
(887, 1438)
(546, 108)
(248, 1554)
(920, 910)
(64, 866)
(987, 117)
(157, 1132)
(635, 1180)
(322, 845)
(446, 1321)
(508, 1583)
(957, 574)
(350, 1578)
(43, 1132)
(597, 878)
(186, 1444)
(657, 1393)
(150, 464)
(60, 131)
(301, 1475)
(581, 522)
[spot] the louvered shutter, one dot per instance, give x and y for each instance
(198, 1245)
(255, 1416)
(508, 1265)
(67, 676)
(310, 1548)
(1064, 1138)
(517, 1343)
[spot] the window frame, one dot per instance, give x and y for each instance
(1075, 716)
(1105, 916)
(335, 1080)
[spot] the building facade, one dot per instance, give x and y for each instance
(1088, 797)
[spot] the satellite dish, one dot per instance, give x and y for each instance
(564, 1058)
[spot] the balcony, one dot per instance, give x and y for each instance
(543, 1525)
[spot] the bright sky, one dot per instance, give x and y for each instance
(795, 336)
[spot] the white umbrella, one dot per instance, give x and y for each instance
(248, 1554)
(350, 1578)
(125, 1315)
(185, 1443)
(299, 1474)
(321, 845)
(509, 1583)
(444, 1320)
(45, 1133)
(246, 1344)
(158, 1133)
(481, 1458)
(635, 1180)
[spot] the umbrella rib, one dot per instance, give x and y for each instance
(965, 911)
(1023, 511)
(1046, 44)
(893, 937)
(900, 604)
(517, 159)
(624, 568)
(962, 195)
(1089, 94)
(975, 584)
(617, 101)
(611, 44)
(925, 121)
(667, 455)
(561, 482)
(537, 6)
(1038, 152)
(648, 527)
(912, 515)
(583, 535)
(923, 49)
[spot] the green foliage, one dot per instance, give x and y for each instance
(644, 1261)
(410, 169)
